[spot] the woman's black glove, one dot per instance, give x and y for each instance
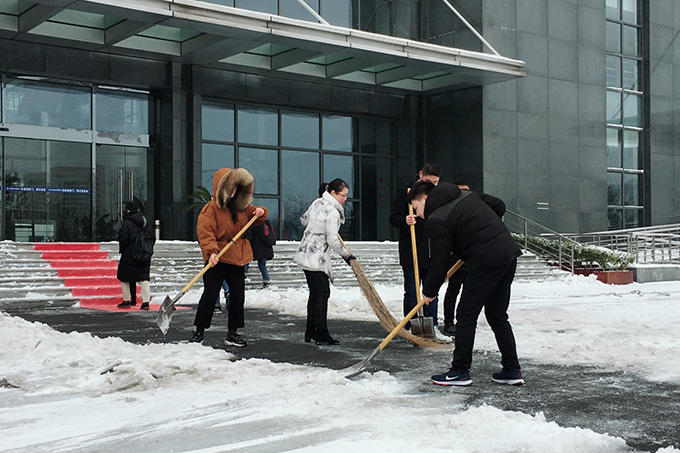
(349, 258)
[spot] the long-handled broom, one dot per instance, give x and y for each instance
(362, 366)
(384, 316)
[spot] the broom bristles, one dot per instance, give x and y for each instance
(387, 321)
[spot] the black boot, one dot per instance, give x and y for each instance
(323, 337)
(309, 334)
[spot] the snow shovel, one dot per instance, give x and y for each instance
(360, 367)
(420, 325)
(167, 308)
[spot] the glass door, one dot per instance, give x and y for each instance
(122, 173)
(46, 190)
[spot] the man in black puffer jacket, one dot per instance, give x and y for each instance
(466, 224)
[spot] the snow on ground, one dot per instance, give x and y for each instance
(76, 392)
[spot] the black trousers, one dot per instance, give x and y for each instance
(212, 284)
(317, 305)
(487, 288)
(452, 290)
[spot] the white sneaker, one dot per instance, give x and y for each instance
(441, 337)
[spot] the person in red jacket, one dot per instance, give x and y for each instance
(220, 220)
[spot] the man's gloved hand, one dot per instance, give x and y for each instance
(349, 258)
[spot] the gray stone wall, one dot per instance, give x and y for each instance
(664, 110)
(544, 136)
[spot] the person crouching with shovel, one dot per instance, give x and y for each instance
(222, 219)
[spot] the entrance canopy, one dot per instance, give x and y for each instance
(205, 34)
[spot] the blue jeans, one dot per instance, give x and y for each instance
(262, 265)
(225, 288)
(410, 299)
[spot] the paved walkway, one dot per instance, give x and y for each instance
(645, 414)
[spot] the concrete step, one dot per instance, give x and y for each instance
(26, 276)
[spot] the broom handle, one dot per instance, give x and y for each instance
(410, 314)
(219, 255)
(414, 252)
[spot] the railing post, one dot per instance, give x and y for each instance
(572, 258)
(559, 250)
(526, 236)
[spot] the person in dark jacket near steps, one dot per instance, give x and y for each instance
(130, 270)
(400, 219)
(463, 223)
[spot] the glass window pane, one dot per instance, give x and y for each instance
(263, 6)
(264, 166)
(48, 195)
(218, 123)
(613, 37)
(337, 133)
(213, 158)
(272, 205)
(613, 71)
(614, 189)
(631, 159)
(300, 130)
(293, 9)
(48, 104)
(122, 112)
(376, 137)
(377, 177)
(613, 9)
(297, 193)
(631, 191)
(337, 12)
(630, 40)
(350, 230)
(376, 16)
(630, 74)
(615, 217)
(629, 11)
(631, 110)
(258, 126)
(613, 148)
(613, 107)
(634, 218)
(343, 167)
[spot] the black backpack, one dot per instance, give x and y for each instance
(268, 233)
(142, 245)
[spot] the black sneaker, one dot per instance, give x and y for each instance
(197, 338)
(234, 339)
(449, 330)
(145, 306)
(124, 304)
(511, 377)
(452, 377)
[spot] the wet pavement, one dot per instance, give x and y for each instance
(624, 405)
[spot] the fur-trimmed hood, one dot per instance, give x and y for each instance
(225, 180)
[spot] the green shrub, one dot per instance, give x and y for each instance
(585, 255)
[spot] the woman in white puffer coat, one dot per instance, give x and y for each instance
(322, 221)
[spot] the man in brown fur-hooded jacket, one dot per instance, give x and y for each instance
(219, 221)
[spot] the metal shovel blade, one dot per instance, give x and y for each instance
(423, 326)
(165, 313)
(360, 367)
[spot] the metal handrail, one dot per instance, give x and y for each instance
(563, 254)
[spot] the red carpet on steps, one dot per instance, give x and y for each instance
(89, 273)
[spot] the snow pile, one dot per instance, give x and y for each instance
(185, 397)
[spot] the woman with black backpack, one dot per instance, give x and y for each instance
(262, 239)
(135, 258)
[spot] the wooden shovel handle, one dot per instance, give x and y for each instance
(224, 249)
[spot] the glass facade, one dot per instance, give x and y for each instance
(291, 152)
(71, 157)
(625, 115)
